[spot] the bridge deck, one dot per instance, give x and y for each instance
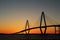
(37, 27)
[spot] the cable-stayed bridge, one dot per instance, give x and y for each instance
(28, 36)
(40, 27)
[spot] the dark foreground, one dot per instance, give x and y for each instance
(29, 37)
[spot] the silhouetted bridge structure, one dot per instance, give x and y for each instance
(42, 18)
(37, 27)
(27, 36)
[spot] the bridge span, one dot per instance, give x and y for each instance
(36, 28)
(40, 27)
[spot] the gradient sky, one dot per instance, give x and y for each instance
(14, 13)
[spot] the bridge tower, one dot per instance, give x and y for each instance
(27, 27)
(43, 18)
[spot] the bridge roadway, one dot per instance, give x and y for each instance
(36, 28)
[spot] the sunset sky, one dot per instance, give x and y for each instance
(14, 13)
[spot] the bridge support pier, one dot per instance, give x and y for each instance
(59, 30)
(55, 29)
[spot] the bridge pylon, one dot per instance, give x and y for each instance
(43, 18)
(27, 27)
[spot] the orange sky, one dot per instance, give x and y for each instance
(14, 13)
(20, 25)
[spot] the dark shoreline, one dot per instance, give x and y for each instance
(29, 36)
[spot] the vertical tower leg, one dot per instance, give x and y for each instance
(59, 30)
(55, 29)
(40, 25)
